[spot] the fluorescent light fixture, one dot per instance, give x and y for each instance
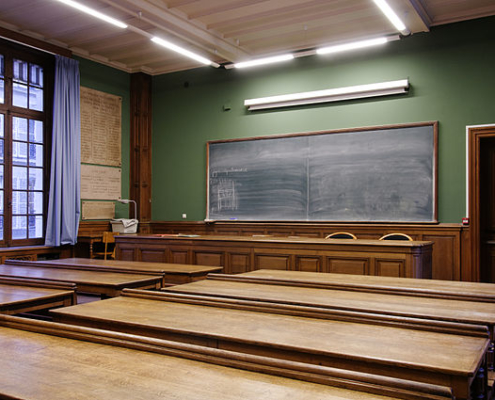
(329, 95)
(263, 61)
(94, 13)
(392, 16)
(352, 46)
(182, 51)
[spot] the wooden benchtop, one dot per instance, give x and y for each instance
(275, 239)
(16, 299)
(71, 275)
(15, 293)
(419, 287)
(120, 265)
(105, 283)
(44, 367)
(409, 306)
(400, 348)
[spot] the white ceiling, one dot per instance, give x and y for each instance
(224, 31)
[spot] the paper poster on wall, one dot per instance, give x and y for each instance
(100, 183)
(101, 128)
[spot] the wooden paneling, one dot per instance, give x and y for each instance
(140, 179)
(395, 258)
(395, 268)
(448, 262)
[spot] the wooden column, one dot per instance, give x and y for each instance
(140, 143)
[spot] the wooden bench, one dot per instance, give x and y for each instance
(21, 295)
(57, 361)
(105, 284)
(400, 309)
(416, 355)
(172, 273)
(475, 291)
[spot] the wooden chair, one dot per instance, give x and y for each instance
(396, 236)
(108, 241)
(341, 235)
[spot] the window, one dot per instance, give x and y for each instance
(26, 81)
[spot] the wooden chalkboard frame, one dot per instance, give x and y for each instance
(432, 127)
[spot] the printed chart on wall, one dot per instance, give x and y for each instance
(101, 127)
(101, 159)
(363, 174)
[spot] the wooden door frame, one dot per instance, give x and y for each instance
(475, 135)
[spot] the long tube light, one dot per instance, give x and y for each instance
(329, 95)
(264, 61)
(352, 46)
(181, 50)
(94, 13)
(392, 16)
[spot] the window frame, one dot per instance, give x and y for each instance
(11, 51)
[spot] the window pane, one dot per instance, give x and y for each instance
(20, 71)
(35, 131)
(36, 75)
(1, 150)
(2, 125)
(35, 203)
(35, 179)
(19, 227)
(2, 91)
(19, 202)
(19, 178)
(1, 228)
(1, 202)
(19, 153)
(1, 176)
(35, 226)
(35, 99)
(19, 128)
(19, 95)
(36, 155)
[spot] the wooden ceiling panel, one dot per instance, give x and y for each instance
(224, 31)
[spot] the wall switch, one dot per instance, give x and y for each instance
(184, 216)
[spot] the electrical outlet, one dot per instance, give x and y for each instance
(184, 216)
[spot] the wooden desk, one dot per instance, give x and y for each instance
(243, 253)
(172, 273)
(106, 284)
(43, 360)
(380, 306)
(475, 291)
(25, 295)
(421, 356)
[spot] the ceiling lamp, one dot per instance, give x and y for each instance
(352, 46)
(264, 61)
(392, 16)
(94, 13)
(184, 52)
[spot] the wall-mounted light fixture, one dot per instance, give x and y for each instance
(329, 95)
(94, 13)
(127, 201)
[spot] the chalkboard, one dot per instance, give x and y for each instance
(376, 174)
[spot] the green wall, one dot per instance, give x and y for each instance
(450, 69)
(105, 79)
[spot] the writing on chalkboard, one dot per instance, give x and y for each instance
(366, 174)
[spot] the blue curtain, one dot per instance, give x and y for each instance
(64, 206)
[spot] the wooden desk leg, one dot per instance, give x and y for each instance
(480, 385)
